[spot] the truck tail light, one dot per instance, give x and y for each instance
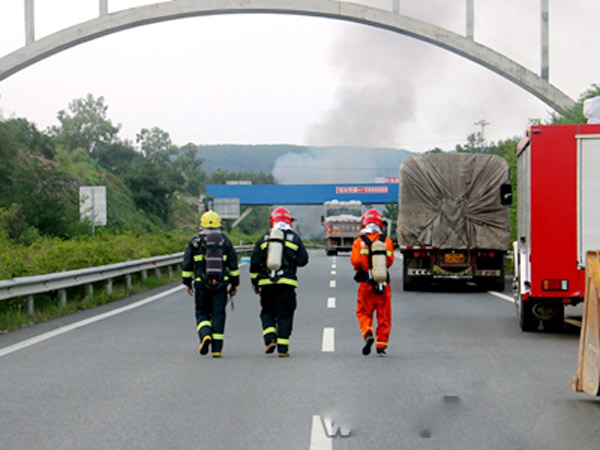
(555, 285)
(487, 254)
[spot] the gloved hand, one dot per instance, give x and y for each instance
(361, 276)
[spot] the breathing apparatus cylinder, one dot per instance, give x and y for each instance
(275, 250)
(378, 262)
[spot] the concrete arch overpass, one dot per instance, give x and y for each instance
(37, 50)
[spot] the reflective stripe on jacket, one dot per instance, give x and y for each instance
(360, 252)
(294, 256)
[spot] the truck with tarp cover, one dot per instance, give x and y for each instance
(453, 219)
(341, 224)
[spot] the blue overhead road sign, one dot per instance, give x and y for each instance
(305, 194)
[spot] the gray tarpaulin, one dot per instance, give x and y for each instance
(452, 200)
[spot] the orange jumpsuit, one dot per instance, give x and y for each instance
(368, 300)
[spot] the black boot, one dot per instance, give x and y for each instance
(369, 340)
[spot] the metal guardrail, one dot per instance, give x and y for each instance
(29, 286)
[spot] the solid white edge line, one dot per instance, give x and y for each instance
(502, 296)
(49, 335)
(318, 438)
(331, 302)
(575, 322)
(328, 340)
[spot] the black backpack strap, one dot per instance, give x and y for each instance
(367, 241)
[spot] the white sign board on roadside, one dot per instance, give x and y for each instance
(227, 208)
(92, 204)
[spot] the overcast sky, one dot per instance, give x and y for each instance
(253, 79)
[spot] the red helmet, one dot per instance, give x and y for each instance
(280, 215)
(372, 216)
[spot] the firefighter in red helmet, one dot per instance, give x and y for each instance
(273, 264)
(372, 254)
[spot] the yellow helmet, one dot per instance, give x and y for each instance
(210, 219)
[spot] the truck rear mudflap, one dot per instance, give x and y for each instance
(452, 272)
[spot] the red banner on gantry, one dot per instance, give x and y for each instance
(361, 189)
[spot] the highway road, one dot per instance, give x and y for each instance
(459, 374)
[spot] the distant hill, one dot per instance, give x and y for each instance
(242, 157)
(381, 162)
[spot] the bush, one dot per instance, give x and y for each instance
(50, 255)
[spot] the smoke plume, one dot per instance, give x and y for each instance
(325, 165)
(375, 98)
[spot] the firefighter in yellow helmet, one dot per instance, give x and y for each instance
(210, 271)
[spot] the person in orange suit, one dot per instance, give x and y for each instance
(372, 296)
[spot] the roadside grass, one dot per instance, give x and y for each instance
(14, 314)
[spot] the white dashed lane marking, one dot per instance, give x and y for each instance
(328, 340)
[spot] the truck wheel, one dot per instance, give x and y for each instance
(408, 284)
(499, 285)
(556, 322)
(486, 284)
(527, 320)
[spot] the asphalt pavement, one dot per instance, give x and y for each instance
(459, 374)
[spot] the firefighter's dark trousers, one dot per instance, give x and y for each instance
(278, 303)
(210, 314)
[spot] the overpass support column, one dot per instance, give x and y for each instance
(103, 7)
(545, 41)
(470, 20)
(29, 22)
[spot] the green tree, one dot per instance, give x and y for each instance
(151, 187)
(21, 135)
(190, 167)
(47, 199)
(14, 224)
(390, 210)
(116, 157)
(156, 145)
(32, 140)
(575, 114)
(256, 222)
(475, 144)
(85, 125)
(506, 149)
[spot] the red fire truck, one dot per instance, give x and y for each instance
(558, 198)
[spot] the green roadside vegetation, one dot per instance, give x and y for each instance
(149, 185)
(14, 314)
